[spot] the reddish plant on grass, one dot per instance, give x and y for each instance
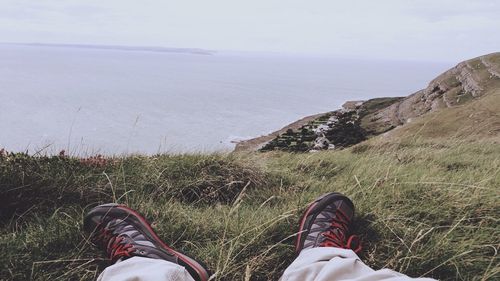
(95, 161)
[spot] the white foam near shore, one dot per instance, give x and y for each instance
(109, 101)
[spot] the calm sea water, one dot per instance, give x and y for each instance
(115, 101)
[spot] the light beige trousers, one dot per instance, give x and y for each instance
(317, 264)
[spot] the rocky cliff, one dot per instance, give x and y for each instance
(467, 81)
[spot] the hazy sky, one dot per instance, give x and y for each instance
(445, 30)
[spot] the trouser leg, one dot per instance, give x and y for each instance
(331, 264)
(145, 269)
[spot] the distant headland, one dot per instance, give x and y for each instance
(195, 51)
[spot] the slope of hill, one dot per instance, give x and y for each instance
(456, 88)
(476, 120)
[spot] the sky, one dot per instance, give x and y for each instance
(425, 30)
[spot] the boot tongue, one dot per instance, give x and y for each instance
(323, 223)
(333, 226)
(136, 236)
(121, 228)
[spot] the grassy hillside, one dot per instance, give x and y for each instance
(423, 208)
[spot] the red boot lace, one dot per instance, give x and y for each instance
(335, 236)
(114, 244)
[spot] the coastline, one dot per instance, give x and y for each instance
(258, 142)
(356, 121)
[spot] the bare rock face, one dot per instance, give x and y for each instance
(468, 80)
(352, 105)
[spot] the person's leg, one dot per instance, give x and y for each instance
(145, 269)
(139, 253)
(330, 264)
(324, 248)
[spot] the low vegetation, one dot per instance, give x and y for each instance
(423, 208)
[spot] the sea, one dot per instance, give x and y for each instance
(117, 101)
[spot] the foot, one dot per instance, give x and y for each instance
(326, 223)
(124, 233)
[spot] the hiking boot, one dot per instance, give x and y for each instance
(123, 233)
(326, 223)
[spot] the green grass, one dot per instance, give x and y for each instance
(422, 208)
